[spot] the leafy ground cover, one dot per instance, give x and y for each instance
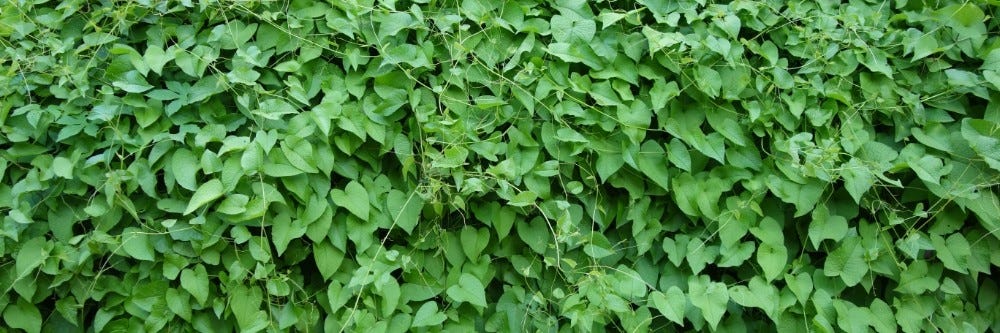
(501, 166)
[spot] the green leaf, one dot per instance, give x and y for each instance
(23, 315)
(652, 161)
(288, 66)
(184, 166)
(566, 134)
(609, 18)
(662, 92)
(328, 258)
(708, 80)
(31, 255)
(661, 40)
(803, 196)
(726, 123)
(679, 154)
(671, 304)
(676, 249)
(850, 317)
(881, 317)
(804, 157)
(875, 60)
(195, 281)
(474, 241)
(404, 209)
(847, 262)
(567, 29)
(930, 169)
(575, 53)
(801, 285)
(535, 234)
(283, 231)
(138, 244)
(62, 167)
(699, 254)
(965, 14)
(718, 45)
(736, 255)
(772, 259)
(179, 303)
(768, 231)
(954, 252)
(206, 193)
(274, 109)
(993, 77)
(916, 279)
(281, 170)
(523, 199)
(503, 220)
(233, 204)
(354, 197)
(132, 82)
(390, 296)
(428, 315)
(635, 120)
(782, 79)
(730, 24)
(393, 23)
(759, 294)
(710, 297)
(924, 46)
(598, 246)
(469, 289)
(245, 305)
(712, 145)
(984, 138)
(156, 58)
(608, 164)
(826, 226)
(337, 296)
(857, 179)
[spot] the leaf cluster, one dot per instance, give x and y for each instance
(500, 166)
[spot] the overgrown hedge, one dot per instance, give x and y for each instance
(480, 165)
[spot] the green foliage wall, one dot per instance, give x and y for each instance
(518, 165)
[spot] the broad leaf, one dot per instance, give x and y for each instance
(847, 262)
(206, 193)
(710, 297)
(354, 198)
(469, 289)
(404, 209)
(428, 315)
(671, 304)
(195, 281)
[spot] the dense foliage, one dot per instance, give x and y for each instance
(480, 165)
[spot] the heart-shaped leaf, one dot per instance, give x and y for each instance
(354, 198)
